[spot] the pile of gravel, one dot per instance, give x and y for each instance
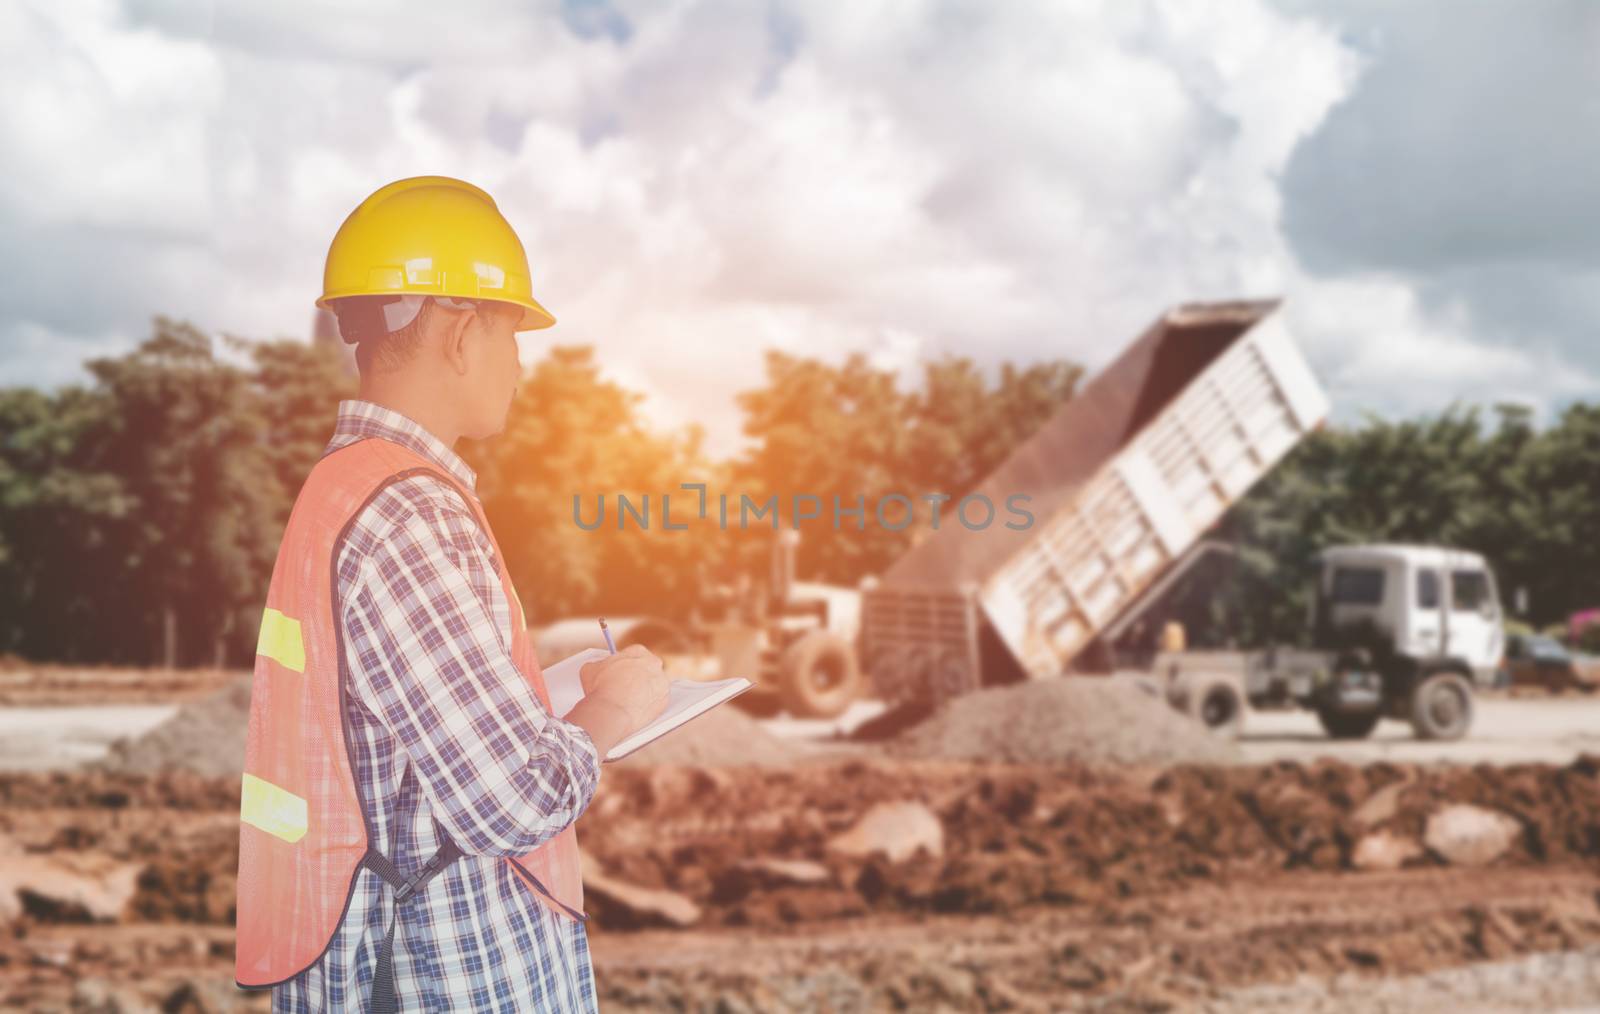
(1091, 719)
(722, 737)
(205, 736)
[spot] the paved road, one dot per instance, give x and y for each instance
(1553, 730)
(40, 739)
(1504, 731)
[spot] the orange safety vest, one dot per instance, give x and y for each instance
(303, 834)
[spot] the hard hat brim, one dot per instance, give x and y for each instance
(534, 316)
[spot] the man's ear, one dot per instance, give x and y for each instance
(457, 325)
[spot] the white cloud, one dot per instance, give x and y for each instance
(698, 181)
(105, 125)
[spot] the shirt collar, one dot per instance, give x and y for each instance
(359, 419)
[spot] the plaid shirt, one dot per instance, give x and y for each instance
(444, 726)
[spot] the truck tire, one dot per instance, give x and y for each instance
(819, 677)
(1217, 705)
(1441, 706)
(1347, 724)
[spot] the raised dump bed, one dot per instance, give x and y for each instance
(1122, 482)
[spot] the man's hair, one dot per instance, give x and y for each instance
(381, 351)
(386, 353)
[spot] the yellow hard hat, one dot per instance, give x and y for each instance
(431, 236)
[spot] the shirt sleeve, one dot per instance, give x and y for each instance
(502, 774)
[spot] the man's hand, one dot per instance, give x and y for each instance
(631, 680)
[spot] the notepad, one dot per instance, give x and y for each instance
(686, 699)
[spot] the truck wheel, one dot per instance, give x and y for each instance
(1217, 706)
(820, 677)
(1441, 707)
(1347, 724)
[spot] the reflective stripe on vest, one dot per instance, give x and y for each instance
(276, 811)
(280, 640)
(303, 833)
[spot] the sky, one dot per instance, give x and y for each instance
(696, 182)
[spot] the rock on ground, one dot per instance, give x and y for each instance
(898, 830)
(1384, 850)
(1465, 835)
(800, 872)
(64, 885)
(639, 905)
(1380, 806)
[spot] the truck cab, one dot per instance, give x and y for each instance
(1399, 631)
(1432, 605)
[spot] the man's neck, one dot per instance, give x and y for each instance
(421, 406)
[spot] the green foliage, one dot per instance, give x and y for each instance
(569, 434)
(849, 432)
(1522, 498)
(59, 505)
(140, 513)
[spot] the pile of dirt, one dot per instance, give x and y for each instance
(756, 846)
(721, 737)
(1061, 834)
(1088, 719)
(205, 736)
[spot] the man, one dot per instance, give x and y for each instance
(406, 835)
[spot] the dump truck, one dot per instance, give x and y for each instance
(1125, 480)
(1122, 482)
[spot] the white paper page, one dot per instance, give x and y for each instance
(686, 699)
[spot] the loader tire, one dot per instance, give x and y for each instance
(1441, 707)
(820, 677)
(1347, 724)
(1218, 706)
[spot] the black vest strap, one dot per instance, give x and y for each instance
(383, 997)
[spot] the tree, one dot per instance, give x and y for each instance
(838, 434)
(572, 434)
(185, 436)
(849, 432)
(1525, 500)
(297, 388)
(57, 508)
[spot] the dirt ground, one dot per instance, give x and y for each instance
(25, 684)
(1262, 879)
(1055, 887)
